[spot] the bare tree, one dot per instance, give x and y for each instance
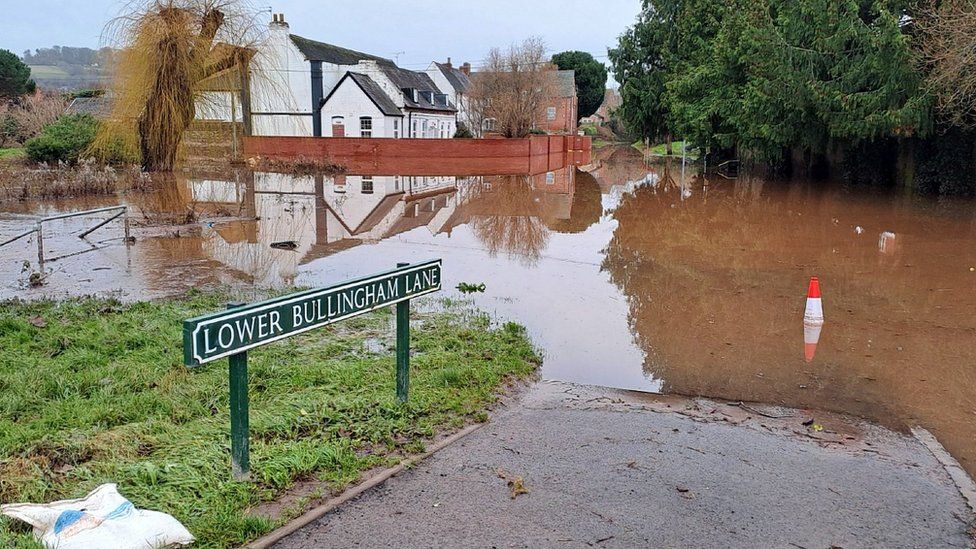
(946, 44)
(513, 89)
(32, 113)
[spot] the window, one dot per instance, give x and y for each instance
(396, 127)
(413, 129)
(365, 127)
(396, 182)
(367, 186)
(551, 113)
(488, 124)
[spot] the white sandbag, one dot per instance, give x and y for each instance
(101, 519)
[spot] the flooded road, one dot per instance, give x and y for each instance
(627, 275)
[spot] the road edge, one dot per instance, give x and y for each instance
(318, 512)
(964, 483)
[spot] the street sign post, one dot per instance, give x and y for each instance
(231, 333)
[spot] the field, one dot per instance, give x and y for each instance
(94, 391)
(48, 72)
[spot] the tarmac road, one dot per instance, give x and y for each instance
(616, 469)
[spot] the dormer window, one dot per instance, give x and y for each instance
(410, 93)
(428, 96)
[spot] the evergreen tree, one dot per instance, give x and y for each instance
(767, 77)
(15, 78)
(591, 79)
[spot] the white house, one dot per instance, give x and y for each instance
(301, 87)
(379, 99)
(454, 82)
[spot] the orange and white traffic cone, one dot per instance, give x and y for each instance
(813, 320)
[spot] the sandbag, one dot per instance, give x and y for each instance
(103, 518)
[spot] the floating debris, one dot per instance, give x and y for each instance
(466, 288)
(286, 245)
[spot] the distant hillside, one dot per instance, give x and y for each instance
(69, 68)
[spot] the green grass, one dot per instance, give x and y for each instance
(48, 72)
(12, 153)
(676, 148)
(94, 391)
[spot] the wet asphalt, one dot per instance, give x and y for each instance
(602, 471)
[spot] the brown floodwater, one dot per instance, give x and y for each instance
(627, 275)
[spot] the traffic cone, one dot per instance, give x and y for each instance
(813, 320)
(814, 310)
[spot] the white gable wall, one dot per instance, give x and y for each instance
(281, 87)
(443, 84)
(351, 103)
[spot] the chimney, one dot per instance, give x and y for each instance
(278, 21)
(448, 63)
(466, 68)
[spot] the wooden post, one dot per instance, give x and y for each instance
(240, 459)
(403, 347)
(40, 247)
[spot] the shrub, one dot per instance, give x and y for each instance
(537, 131)
(589, 129)
(9, 129)
(81, 94)
(463, 132)
(63, 141)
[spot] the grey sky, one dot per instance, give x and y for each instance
(423, 30)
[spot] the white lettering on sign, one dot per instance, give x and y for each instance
(223, 334)
(242, 331)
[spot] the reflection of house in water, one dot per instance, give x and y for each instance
(288, 220)
(291, 219)
(371, 208)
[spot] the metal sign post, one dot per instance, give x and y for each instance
(402, 346)
(231, 333)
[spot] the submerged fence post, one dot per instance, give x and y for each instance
(40, 247)
(403, 347)
(125, 226)
(240, 459)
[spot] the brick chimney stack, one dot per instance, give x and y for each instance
(448, 64)
(466, 68)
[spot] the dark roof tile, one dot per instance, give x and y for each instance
(459, 81)
(420, 81)
(329, 53)
(373, 91)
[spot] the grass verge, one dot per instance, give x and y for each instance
(93, 391)
(676, 149)
(12, 154)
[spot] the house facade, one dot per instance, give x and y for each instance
(302, 87)
(560, 114)
(456, 83)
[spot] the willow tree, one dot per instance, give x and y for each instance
(170, 49)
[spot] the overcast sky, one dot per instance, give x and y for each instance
(423, 30)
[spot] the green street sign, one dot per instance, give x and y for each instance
(219, 335)
(229, 334)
